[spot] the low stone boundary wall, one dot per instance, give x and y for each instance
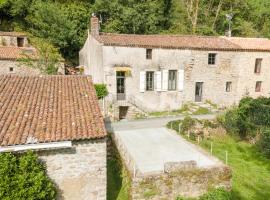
(183, 179)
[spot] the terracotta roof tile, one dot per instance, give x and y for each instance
(48, 109)
(13, 53)
(185, 42)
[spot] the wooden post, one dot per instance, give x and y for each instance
(171, 125)
(179, 127)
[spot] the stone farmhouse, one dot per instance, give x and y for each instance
(161, 72)
(14, 46)
(59, 118)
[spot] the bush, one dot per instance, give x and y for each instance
(101, 90)
(187, 124)
(264, 143)
(23, 177)
(217, 194)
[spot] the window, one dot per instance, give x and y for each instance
(258, 86)
(149, 81)
(258, 65)
(11, 69)
(148, 53)
(212, 58)
(228, 86)
(20, 42)
(172, 80)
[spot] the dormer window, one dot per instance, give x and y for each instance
(20, 42)
(148, 54)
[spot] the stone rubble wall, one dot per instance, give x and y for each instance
(79, 172)
(182, 178)
(5, 66)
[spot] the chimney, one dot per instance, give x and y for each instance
(94, 25)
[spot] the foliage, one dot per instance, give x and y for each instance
(101, 90)
(264, 142)
(248, 118)
(47, 60)
(187, 124)
(217, 194)
(23, 177)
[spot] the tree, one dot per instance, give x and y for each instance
(192, 8)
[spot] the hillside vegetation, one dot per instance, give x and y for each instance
(64, 23)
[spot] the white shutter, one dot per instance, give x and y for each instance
(158, 81)
(142, 81)
(181, 79)
(164, 80)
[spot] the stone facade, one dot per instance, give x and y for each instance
(103, 62)
(13, 67)
(78, 172)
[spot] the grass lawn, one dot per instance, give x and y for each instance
(251, 169)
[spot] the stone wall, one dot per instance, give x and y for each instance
(184, 179)
(12, 67)
(231, 66)
(78, 172)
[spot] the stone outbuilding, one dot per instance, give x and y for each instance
(59, 118)
(13, 47)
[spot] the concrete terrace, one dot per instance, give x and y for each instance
(149, 147)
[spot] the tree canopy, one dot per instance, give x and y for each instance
(64, 23)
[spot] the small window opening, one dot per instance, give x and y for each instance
(11, 69)
(258, 66)
(20, 42)
(258, 86)
(228, 86)
(212, 58)
(148, 53)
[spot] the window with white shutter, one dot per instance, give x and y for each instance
(142, 81)
(164, 80)
(181, 79)
(158, 81)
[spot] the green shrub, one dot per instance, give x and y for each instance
(23, 177)
(101, 90)
(264, 143)
(187, 124)
(217, 194)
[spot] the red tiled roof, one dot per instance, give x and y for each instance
(12, 34)
(13, 53)
(185, 42)
(48, 109)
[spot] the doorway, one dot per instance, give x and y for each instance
(198, 91)
(123, 110)
(121, 85)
